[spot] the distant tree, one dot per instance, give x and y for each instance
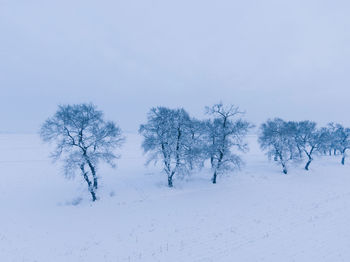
(224, 135)
(277, 138)
(168, 136)
(308, 139)
(326, 145)
(332, 136)
(342, 140)
(83, 139)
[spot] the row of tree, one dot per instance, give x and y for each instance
(182, 143)
(294, 141)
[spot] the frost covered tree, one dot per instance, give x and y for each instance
(277, 139)
(225, 133)
(83, 138)
(332, 136)
(342, 140)
(327, 146)
(308, 139)
(169, 137)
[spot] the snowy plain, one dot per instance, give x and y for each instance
(256, 214)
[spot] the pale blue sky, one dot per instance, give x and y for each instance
(272, 58)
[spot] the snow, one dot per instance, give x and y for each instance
(257, 214)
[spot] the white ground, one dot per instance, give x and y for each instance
(257, 214)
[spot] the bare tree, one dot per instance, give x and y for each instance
(224, 134)
(329, 139)
(342, 138)
(167, 137)
(327, 145)
(308, 139)
(277, 138)
(333, 141)
(83, 139)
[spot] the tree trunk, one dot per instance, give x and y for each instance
(214, 177)
(218, 165)
(343, 158)
(170, 181)
(93, 172)
(93, 195)
(308, 164)
(285, 171)
(91, 166)
(309, 155)
(91, 188)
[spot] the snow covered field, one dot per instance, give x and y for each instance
(257, 214)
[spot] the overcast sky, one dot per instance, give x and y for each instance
(272, 58)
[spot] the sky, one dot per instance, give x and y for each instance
(272, 58)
